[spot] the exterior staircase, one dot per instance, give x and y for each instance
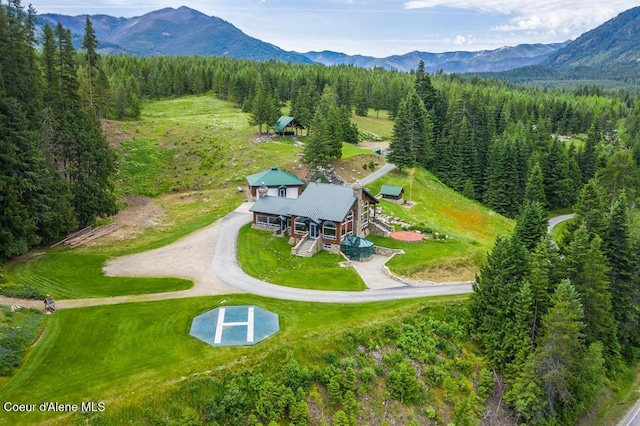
(307, 247)
(377, 227)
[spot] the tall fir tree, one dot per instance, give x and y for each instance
(412, 134)
(90, 45)
(531, 225)
(585, 265)
(620, 174)
(563, 376)
(534, 190)
(588, 158)
(623, 265)
(494, 300)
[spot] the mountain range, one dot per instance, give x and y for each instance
(185, 31)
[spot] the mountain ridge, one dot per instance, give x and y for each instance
(185, 31)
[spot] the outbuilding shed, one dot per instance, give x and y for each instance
(391, 192)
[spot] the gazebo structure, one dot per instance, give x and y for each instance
(287, 126)
(357, 248)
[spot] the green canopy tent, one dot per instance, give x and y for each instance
(357, 248)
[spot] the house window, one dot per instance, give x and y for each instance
(347, 226)
(270, 221)
(365, 213)
(329, 230)
(282, 191)
(300, 225)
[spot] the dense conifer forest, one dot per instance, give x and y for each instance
(57, 171)
(557, 321)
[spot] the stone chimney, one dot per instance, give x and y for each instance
(262, 190)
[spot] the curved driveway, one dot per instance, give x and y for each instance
(228, 270)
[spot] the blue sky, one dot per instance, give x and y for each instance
(381, 27)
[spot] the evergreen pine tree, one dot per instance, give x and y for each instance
(90, 45)
(591, 209)
(494, 300)
(623, 264)
(534, 190)
(585, 265)
(588, 159)
(531, 225)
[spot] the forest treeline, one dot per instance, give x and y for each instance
(56, 170)
(481, 137)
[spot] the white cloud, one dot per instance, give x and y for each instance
(570, 17)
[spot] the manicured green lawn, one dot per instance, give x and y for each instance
(472, 227)
(122, 352)
(69, 275)
(269, 258)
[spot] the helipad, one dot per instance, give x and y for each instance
(235, 326)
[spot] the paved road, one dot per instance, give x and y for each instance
(377, 174)
(633, 416)
(556, 220)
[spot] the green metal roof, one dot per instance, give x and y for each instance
(273, 177)
(282, 123)
(393, 191)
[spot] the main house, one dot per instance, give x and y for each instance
(320, 219)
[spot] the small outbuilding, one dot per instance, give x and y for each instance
(391, 192)
(287, 126)
(357, 248)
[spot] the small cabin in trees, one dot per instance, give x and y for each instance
(276, 183)
(392, 193)
(287, 126)
(320, 219)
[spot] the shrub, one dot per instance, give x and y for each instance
(403, 384)
(17, 330)
(21, 291)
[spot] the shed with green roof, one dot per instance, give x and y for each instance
(391, 192)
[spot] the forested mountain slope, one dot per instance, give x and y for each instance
(169, 31)
(616, 42)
